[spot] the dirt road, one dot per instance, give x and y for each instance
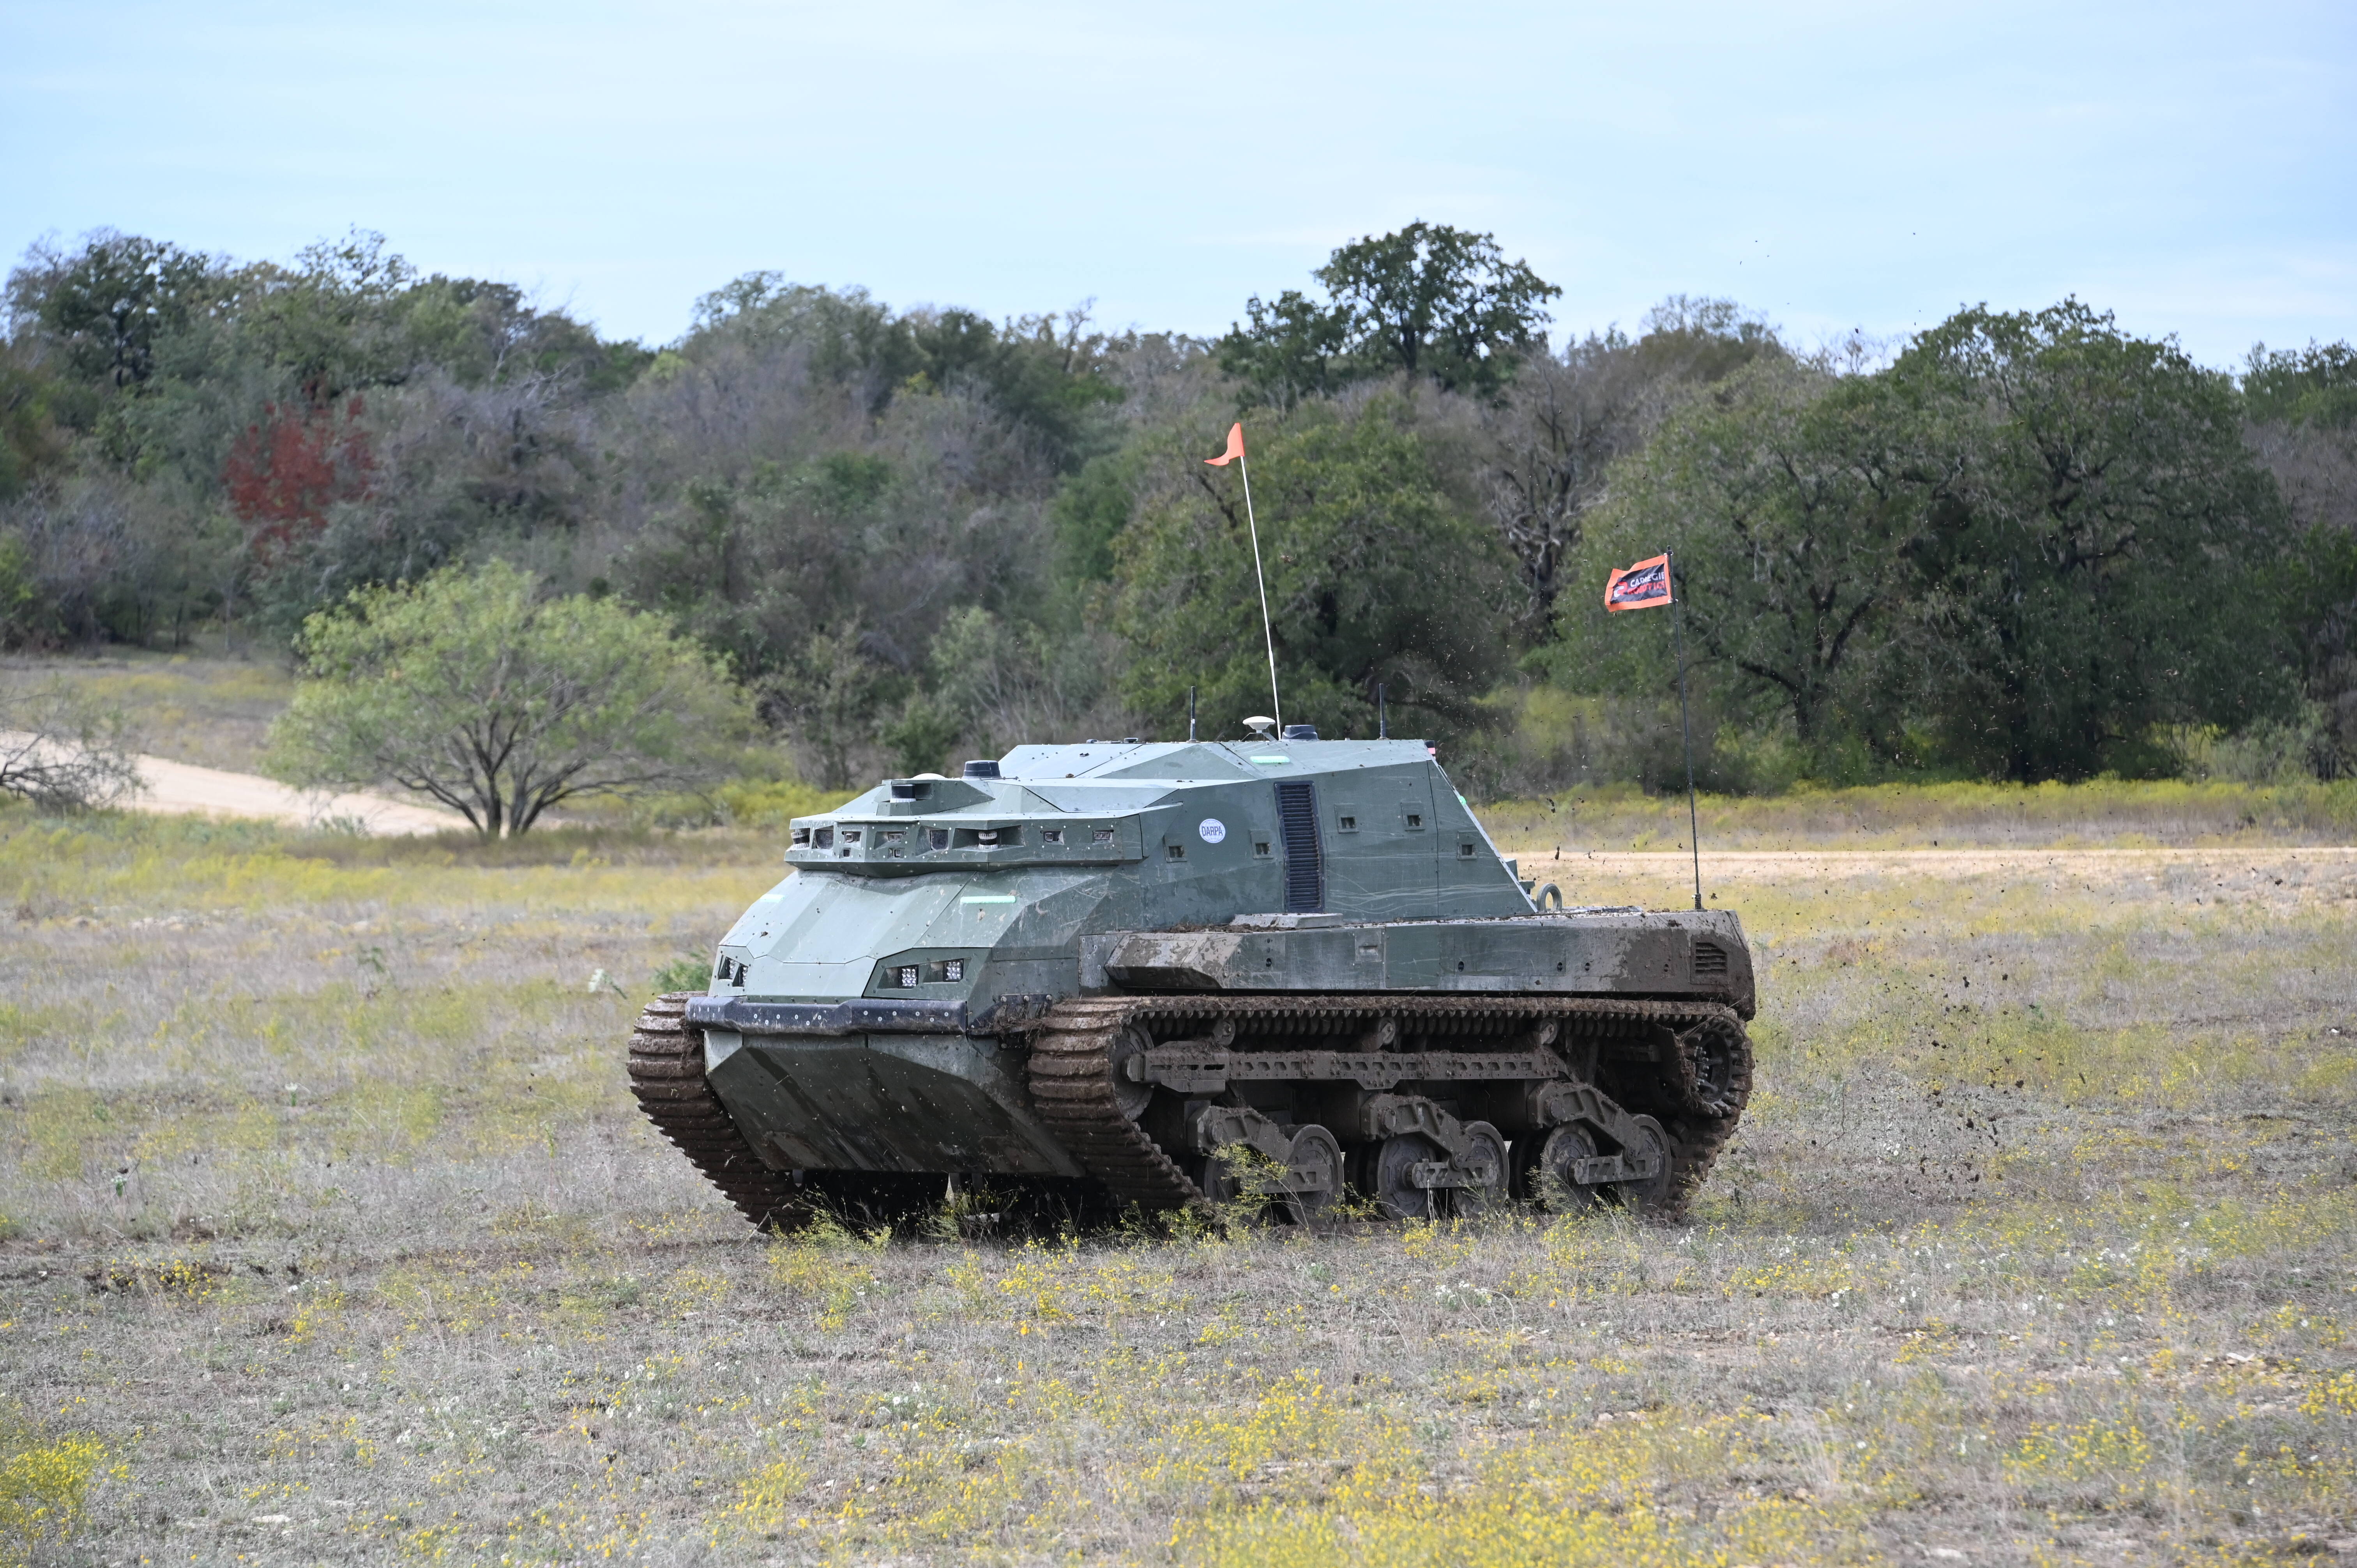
(2192, 875)
(181, 789)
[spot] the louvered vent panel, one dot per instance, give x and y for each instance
(1709, 958)
(1305, 868)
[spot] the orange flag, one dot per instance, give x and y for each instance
(1235, 446)
(1645, 587)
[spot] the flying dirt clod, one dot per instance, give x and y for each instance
(1190, 975)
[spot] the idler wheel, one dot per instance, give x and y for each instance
(1386, 1174)
(1485, 1146)
(1314, 1149)
(1652, 1192)
(1543, 1164)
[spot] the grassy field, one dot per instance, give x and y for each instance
(2109, 813)
(207, 710)
(330, 1235)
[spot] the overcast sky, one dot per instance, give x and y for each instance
(1831, 165)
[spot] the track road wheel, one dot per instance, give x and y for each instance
(1314, 1149)
(1543, 1164)
(1384, 1173)
(1216, 1176)
(1652, 1194)
(1488, 1152)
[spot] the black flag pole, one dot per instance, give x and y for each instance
(1686, 724)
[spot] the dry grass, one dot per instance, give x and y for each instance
(211, 711)
(333, 1237)
(2108, 812)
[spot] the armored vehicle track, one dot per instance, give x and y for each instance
(1683, 1068)
(667, 1077)
(1686, 1066)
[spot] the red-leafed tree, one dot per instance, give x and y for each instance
(285, 471)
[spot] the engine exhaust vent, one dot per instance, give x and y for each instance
(1305, 868)
(1709, 958)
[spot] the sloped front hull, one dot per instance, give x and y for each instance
(931, 1104)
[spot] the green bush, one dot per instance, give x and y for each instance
(775, 802)
(472, 688)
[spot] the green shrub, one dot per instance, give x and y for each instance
(687, 973)
(774, 803)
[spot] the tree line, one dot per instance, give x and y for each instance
(2019, 546)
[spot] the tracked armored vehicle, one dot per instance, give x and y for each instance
(1095, 975)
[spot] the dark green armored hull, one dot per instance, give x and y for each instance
(1167, 974)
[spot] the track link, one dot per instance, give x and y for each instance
(1074, 1090)
(667, 1076)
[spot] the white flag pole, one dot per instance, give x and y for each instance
(1258, 576)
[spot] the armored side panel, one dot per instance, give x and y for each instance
(984, 978)
(1606, 953)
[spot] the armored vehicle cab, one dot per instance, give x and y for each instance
(1106, 971)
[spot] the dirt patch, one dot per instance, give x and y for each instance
(213, 710)
(181, 789)
(2194, 876)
